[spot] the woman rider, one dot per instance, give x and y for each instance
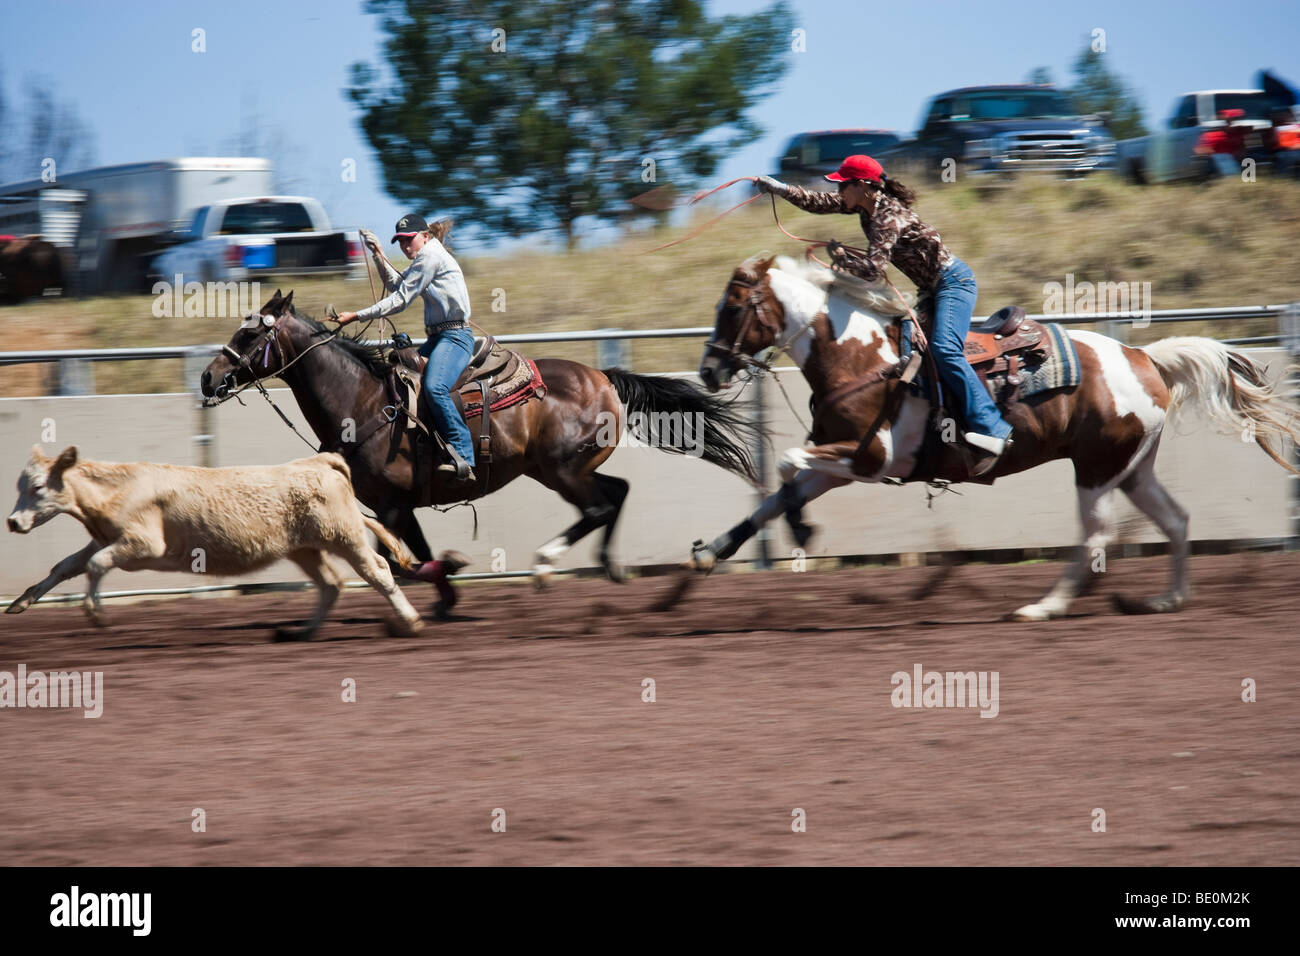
(896, 234)
(436, 277)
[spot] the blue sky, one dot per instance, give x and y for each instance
(128, 68)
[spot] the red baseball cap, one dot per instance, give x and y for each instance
(858, 167)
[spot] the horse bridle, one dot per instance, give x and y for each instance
(269, 338)
(265, 341)
(755, 313)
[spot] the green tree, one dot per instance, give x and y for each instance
(1097, 89)
(518, 115)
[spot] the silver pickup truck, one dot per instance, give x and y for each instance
(1186, 147)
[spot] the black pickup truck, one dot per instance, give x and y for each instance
(992, 131)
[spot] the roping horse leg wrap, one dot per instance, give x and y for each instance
(728, 543)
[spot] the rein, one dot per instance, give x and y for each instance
(243, 361)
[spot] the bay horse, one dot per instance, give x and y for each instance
(841, 331)
(559, 440)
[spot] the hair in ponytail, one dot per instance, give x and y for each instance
(440, 230)
(894, 188)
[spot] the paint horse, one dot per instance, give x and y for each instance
(845, 336)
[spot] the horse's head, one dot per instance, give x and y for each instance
(254, 352)
(750, 319)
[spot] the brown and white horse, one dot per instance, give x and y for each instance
(841, 331)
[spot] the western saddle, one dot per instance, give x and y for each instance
(493, 374)
(1002, 345)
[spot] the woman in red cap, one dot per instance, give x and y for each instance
(896, 234)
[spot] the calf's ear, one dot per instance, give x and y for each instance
(67, 458)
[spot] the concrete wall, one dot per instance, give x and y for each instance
(1231, 489)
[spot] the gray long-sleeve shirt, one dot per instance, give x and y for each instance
(433, 276)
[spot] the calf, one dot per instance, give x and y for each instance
(148, 516)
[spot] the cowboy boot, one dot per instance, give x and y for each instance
(993, 449)
(457, 466)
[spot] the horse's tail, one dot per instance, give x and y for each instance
(390, 541)
(1234, 392)
(682, 418)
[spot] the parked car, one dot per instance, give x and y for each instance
(1207, 134)
(996, 131)
(810, 156)
(237, 239)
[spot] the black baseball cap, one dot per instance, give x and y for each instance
(408, 226)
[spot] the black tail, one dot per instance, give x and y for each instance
(728, 436)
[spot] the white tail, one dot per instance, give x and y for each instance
(1231, 389)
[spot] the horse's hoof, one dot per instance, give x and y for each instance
(441, 612)
(542, 576)
(1032, 612)
(285, 635)
(614, 571)
(802, 533)
(702, 561)
(17, 607)
(453, 561)
(400, 628)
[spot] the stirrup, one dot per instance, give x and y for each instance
(992, 448)
(457, 466)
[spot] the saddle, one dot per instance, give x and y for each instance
(1014, 358)
(495, 378)
(1001, 346)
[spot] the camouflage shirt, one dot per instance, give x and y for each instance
(895, 234)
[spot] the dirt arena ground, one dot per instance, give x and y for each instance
(772, 692)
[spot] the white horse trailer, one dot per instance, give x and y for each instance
(128, 213)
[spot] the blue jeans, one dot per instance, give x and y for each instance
(448, 353)
(954, 304)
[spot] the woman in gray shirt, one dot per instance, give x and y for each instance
(435, 277)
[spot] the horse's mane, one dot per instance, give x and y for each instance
(877, 297)
(372, 357)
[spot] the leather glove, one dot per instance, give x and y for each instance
(401, 341)
(834, 249)
(371, 241)
(766, 184)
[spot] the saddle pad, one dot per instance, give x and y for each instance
(522, 385)
(1060, 370)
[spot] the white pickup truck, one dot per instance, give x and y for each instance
(238, 239)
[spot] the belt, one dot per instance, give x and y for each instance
(444, 326)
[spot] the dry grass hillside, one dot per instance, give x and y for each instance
(1227, 243)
